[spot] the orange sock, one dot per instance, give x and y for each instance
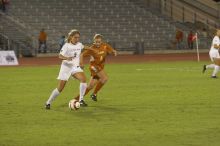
(87, 91)
(98, 87)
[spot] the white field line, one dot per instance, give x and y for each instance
(188, 69)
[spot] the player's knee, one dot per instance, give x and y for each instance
(83, 80)
(104, 80)
(90, 87)
(60, 89)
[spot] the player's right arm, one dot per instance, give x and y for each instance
(65, 58)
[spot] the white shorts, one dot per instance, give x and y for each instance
(67, 70)
(213, 53)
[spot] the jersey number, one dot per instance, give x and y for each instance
(75, 54)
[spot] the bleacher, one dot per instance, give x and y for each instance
(122, 22)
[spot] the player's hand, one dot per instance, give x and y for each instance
(81, 66)
(115, 53)
(69, 58)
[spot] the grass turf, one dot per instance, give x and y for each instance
(147, 104)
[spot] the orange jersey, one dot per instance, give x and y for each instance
(42, 36)
(98, 55)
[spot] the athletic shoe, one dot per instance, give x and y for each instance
(94, 97)
(82, 103)
(204, 69)
(214, 77)
(47, 106)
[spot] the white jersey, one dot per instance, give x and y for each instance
(72, 50)
(69, 68)
(215, 41)
(213, 53)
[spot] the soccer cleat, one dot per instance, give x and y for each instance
(47, 106)
(204, 69)
(214, 77)
(94, 97)
(83, 103)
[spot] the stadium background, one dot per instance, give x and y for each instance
(130, 26)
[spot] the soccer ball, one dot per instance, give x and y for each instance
(74, 104)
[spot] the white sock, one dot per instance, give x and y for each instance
(82, 90)
(215, 70)
(210, 66)
(53, 95)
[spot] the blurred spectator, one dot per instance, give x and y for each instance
(190, 40)
(3, 3)
(179, 38)
(1, 44)
(34, 42)
(31, 42)
(61, 42)
(7, 2)
(204, 32)
(42, 41)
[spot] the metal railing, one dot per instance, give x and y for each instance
(4, 42)
(184, 12)
(21, 49)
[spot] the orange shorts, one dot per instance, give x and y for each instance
(94, 69)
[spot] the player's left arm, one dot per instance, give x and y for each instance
(114, 52)
(111, 50)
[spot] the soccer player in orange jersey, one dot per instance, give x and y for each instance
(98, 52)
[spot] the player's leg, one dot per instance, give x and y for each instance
(63, 77)
(216, 68)
(210, 66)
(93, 81)
(55, 93)
(215, 71)
(207, 67)
(103, 78)
(214, 56)
(82, 87)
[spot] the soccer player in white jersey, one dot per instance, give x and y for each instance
(70, 56)
(214, 55)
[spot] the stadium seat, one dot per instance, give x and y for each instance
(117, 20)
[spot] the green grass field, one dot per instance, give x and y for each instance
(146, 104)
